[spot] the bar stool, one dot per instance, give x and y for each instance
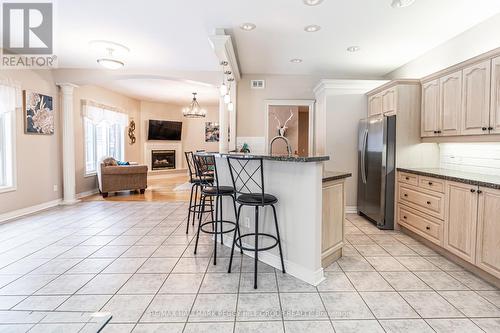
(247, 175)
(197, 183)
(205, 163)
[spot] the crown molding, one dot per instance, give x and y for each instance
(347, 86)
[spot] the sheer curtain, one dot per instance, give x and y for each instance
(9, 100)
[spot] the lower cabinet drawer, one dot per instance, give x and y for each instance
(432, 184)
(427, 227)
(431, 203)
(408, 178)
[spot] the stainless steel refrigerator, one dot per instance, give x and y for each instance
(376, 170)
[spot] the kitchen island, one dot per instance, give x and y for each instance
(297, 182)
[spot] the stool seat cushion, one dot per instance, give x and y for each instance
(205, 179)
(212, 190)
(256, 199)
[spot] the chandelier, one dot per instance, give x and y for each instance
(194, 110)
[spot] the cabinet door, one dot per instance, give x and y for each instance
(450, 88)
(389, 101)
(460, 220)
(495, 97)
(430, 108)
(374, 105)
(475, 117)
(333, 217)
(488, 231)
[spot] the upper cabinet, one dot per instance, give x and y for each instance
(389, 101)
(476, 99)
(430, 108)
(495, 96)
(375, 105)
(450, 103)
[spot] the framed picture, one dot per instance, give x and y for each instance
(38, 113)
(211, 132)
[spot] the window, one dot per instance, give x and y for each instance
(104, 136)
(7, 126)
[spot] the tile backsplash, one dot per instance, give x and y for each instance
(471, 157)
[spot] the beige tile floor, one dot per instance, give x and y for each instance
(133, 259)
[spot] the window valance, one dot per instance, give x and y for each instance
(98, 113)
(9, 98)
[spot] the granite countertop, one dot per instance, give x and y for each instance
(335, 175)
(471, 178)
(276, 157)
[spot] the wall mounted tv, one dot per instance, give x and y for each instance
(164, 130)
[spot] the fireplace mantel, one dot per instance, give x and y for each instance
(155, 145)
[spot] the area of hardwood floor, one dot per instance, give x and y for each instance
(160, 188)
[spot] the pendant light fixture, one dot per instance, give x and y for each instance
(194, 110)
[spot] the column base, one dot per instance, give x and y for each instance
(70, 202)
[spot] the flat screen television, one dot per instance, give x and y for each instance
(164, 130)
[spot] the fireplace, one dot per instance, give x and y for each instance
(162, 159)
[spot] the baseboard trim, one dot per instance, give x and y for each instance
(87, 193)
(309, 276)
(28, 210)
(351, 209)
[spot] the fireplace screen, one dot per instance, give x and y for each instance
(162, 159)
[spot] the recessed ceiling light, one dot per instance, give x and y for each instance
(312, 28)
(402, 3)
(110, 63)
(353, 48)
(312, 2)
(296, 61)
(248, 26)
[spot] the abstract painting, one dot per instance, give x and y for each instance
(211, 132)
(39, 113)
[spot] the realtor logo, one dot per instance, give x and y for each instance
(27, 28)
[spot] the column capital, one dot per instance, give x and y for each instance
(66, 87)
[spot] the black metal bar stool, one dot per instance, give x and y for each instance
(205, 163)
(197, 184)
(247, 175)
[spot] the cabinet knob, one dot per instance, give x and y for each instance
(405, 195)
(428, 202)
(435, 132)
(405, 217)
(490, 128)
(479, 191)
(439, 132)
(428, 228)
(407, 178)
(472, 190)
(430, 183)
(485, 128)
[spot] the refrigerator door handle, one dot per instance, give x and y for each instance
(363, 156)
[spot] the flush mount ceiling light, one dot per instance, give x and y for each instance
(312, 28)
(109, 53)
(312, 2)
(353, 48)
(194, 109)
(401, 3)
(248, 26)
(296, 61)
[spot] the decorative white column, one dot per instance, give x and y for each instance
(223, 123)
(68, 143)
(232, 116)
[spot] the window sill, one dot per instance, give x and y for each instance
(6, 189)
(91, 174)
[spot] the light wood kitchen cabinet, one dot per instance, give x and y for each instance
(495, 97)
(488, 231)
(460, 220)
(375, 105)
(450, 91)
(389, 102)
(333, 221)
(430, 109)
(475, 116)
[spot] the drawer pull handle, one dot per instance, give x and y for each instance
(405, 217)
(430, 183)
(407, 178)
(406, 195)
(428, 228)
(428, 202)
(472, 190)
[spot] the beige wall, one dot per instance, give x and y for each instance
(103, 96)
(193, 130)
(292, 132)
(38, 157)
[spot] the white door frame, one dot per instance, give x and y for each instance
(290, 102)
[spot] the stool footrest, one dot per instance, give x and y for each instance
(238, 241)
(218, 232)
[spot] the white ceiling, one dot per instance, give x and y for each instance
(159, 90)
(172, 35)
